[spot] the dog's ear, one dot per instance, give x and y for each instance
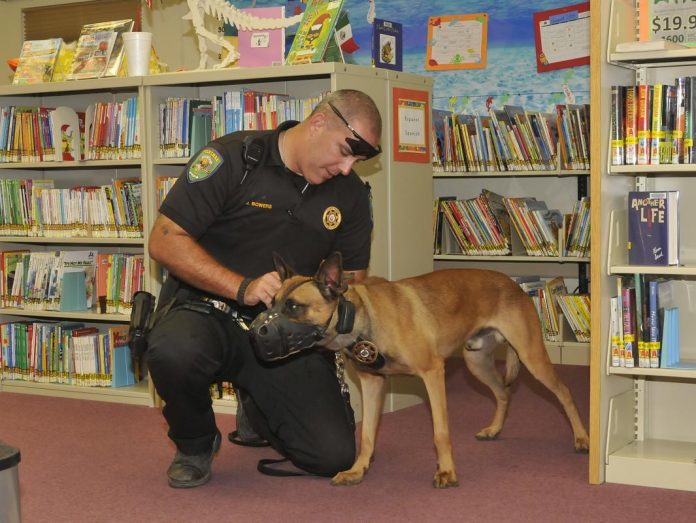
(282, 268)
(330, 276)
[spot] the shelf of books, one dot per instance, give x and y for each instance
(71, 237)
(645, 365)
(481, 164)
(85, 164)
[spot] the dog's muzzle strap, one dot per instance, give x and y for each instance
(275, 337)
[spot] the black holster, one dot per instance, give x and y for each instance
(141, 322)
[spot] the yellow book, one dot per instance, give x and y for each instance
(37, 61)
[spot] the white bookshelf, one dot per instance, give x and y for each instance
(77, 95)
(401, 191)
(642, 424)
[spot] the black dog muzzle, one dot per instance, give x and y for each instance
(275, 337)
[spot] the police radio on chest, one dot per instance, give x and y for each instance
(252, 154)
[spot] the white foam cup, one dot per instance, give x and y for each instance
(137, 46)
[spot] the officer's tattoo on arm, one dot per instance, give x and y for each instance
(349, 277)
(164, 230)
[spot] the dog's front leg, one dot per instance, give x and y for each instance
(372, 390)
(434, 379)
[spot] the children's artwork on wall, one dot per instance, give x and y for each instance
(562, 37)
(457, 41)
(510, 74)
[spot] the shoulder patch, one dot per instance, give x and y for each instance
(204, 165)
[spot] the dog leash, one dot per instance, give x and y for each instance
(341, 375)
(264, 467)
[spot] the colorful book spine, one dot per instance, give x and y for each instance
(653, 325)
(628, 318)
(630, 126)
(679, 121)
(657, 135)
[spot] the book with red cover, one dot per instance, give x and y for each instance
(630, 126)
(643, 125)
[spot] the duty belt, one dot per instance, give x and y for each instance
(218, 304)
(226, 308)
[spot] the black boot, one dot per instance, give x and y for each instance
(188, 471)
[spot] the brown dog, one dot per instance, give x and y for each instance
(411, 326)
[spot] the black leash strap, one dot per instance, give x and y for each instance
(264, 468)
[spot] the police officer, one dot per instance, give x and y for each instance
(241, 198)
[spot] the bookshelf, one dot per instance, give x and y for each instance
(641, 433)
(77, 95)
(401, 191)
(559, 189)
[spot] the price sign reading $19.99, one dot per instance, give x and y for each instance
(673, 20)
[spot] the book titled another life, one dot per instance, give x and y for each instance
(653, 228)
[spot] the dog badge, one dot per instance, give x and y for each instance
(365, 352)
(332, 218)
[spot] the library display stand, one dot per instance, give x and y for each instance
(643, 431)
(401, 191)
(560, 189)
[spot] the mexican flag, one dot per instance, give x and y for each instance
(344, 34)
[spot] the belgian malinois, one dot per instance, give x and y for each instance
(411, 326)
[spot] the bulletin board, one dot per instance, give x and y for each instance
(457, 42)
(562, 37)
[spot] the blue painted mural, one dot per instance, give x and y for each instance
(511, 76)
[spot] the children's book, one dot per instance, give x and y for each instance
(78, 280)
(92, 54)
(65, 131)
(653, 228)
(262, 47)
(314, 41)
(113, 68)
(37, 61)
(387, 50)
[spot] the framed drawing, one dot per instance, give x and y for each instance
(457, 42)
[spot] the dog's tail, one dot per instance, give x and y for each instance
(512, 366)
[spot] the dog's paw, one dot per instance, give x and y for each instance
(347, 478)
(582, 445)
(487, 434)
(445, 479)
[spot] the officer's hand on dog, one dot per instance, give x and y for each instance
(262, 289)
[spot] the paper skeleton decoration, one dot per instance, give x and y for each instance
(229, 14)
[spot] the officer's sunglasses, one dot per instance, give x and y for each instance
(358, 145)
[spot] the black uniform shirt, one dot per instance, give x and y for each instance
(273, 210)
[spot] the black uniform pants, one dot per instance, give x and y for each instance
(299, 406)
